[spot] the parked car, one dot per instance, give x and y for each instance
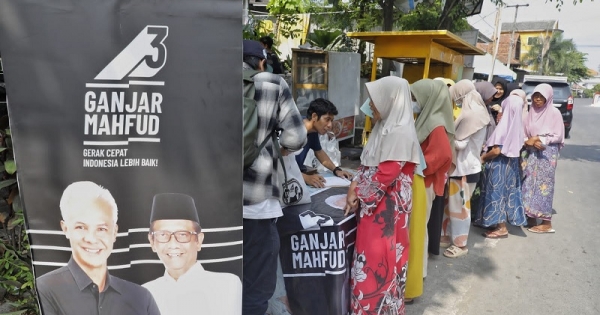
(563, 97)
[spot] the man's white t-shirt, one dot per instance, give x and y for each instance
(197, 292)
(268, 209)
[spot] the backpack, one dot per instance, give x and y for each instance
(251, 150)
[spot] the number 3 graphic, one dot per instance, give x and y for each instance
(143, 57)
(157, 43)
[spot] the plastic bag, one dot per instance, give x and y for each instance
(330, 145)
(297, 192)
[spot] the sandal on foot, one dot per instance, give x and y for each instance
(538, 230)
(445, 244)
(409, 301)
(531, 222)
(455, 251)
(495, 234)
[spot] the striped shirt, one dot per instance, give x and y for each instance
(276, 110)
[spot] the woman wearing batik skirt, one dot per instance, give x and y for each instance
(469, 138)
(501, 189)
(381, 194)
(544, 130)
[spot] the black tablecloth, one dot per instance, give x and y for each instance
(317, 244)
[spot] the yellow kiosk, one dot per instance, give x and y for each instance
(425, 54)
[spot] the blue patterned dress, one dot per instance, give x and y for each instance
(500, 199)
(538, 186)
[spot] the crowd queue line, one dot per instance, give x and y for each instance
(433, 144)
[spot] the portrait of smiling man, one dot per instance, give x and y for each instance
(186, 287)
(84, 286)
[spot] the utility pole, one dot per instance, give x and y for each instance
(245, 12)
(496, 41)
(545, 46)
(512, 35)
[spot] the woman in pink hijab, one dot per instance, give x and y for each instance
(501, 189)
(545, 134)
(520, 93)
(487, 91)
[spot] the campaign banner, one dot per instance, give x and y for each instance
(317, 245)
(127, 128)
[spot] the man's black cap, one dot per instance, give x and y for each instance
(254, 48)
(172, 206)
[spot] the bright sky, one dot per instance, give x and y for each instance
(578, 22)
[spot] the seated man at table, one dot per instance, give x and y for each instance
(318, 121)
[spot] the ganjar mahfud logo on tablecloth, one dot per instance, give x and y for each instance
(123, 104)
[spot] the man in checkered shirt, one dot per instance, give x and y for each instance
(276, 110)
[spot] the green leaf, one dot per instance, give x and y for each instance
(12, 283)
(11, 166)
(16, 204)
(14, 222)
(22, 312)
(7, 132)
(8, 182)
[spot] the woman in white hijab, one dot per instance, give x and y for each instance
(381, 194)
(468, 141)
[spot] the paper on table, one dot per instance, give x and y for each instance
(336, 182)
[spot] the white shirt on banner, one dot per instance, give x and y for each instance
(197, 292)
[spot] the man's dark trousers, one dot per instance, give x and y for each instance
(261, 251)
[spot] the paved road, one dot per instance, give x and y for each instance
(530, 273)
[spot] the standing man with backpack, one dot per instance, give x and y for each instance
(272, 58)
(274, 110)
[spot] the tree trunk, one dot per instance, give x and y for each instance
(388, 25)
(362, 44)
(276, 28)
(388, 15)
(446, 22)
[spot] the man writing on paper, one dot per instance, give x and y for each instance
(186, 288)
(84, 285)
(318, 121)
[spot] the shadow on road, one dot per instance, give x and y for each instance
(578, 152)
(446, 281)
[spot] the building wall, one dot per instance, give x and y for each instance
(525, 47)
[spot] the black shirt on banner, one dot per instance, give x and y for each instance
(317, 244)
(68, 290)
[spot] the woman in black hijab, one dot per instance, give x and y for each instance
(502, 93)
